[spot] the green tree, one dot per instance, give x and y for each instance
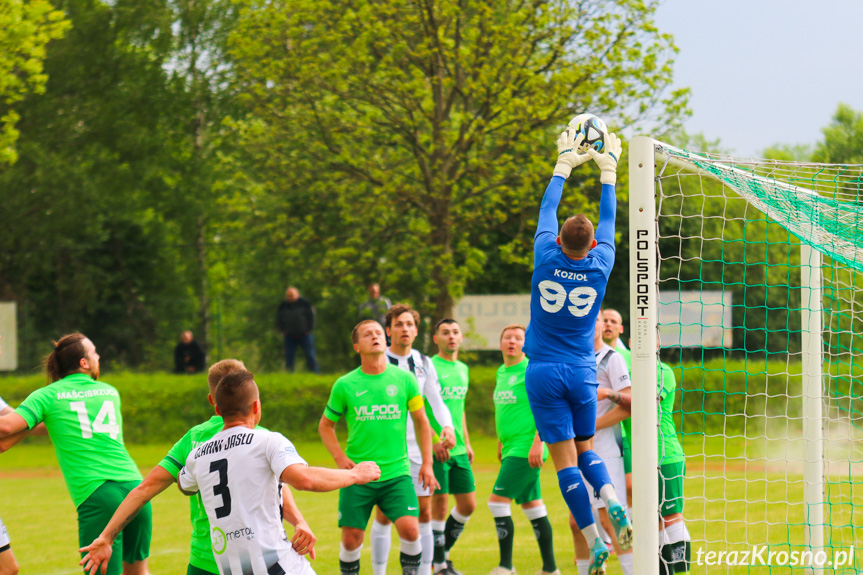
(405, 140)
(26, 27)
(843, 138)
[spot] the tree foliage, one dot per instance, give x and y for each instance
(26, 27)
(409, 141)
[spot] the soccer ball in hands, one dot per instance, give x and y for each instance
(594, 130)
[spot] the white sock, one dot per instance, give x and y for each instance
(591, 534)
(535, 512)
(676, 532)
(626, 563)
(607, 494)
(348, 556)
(410, 547)
(458, 516)
(583, 565)
(381, 543)
(499, 509)
(427, 541)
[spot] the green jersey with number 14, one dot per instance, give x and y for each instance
(86, 427)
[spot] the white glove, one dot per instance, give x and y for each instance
(607, 160)
(567, 157)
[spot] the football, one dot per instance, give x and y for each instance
(594, 131)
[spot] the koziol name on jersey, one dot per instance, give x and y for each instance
(505, 397)
(569, 275)
(379, 412)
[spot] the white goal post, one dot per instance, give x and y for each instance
(647, 159)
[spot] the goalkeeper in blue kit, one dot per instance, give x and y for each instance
(570, 276)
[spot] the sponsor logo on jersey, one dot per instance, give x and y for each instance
(378, 412)
(563, 274)
(220, 542)
(359, 393)
(504, 397)
(453, 393)
(82, 394)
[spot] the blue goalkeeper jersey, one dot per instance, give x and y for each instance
(566, 294)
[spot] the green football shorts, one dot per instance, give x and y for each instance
(454, 475)
(133, 543)
(395, 497)
(671, 488)
(517, 480)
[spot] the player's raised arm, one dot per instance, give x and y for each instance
(607, 162)
(567, 159)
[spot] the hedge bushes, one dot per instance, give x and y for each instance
(716, 397)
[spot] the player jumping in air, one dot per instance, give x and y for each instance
(521, 454)
(376, 400)
(570, 276)
(402, 322)
(452, 468)
(84, 420)
(238, 474)
(201, 558)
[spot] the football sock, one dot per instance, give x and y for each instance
(594, 471)
(439, 542)
(381, 543)
(411, 557)
(505, 531)
(427, 543)
(575, 494)
(454, 527)
(349, 561)
(538, 517)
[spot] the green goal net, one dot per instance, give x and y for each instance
(756, 268)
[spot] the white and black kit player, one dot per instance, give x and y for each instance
(237, 473)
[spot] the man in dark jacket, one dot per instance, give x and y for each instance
(189, 356)
(296, 320)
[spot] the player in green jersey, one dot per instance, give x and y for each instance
(674, 536)
(375, 400)
(201, 560)
(521, 454)
(85, 423)
(452, 468)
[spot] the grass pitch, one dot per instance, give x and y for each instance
(732, 502)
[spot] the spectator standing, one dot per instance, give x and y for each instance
(189, 356)
(376, 307)
(296, 320)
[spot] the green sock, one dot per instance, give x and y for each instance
(542, 530)
(505, 537)
(452, 530)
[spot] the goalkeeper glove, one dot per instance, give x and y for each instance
(567, 157)
(607, 160)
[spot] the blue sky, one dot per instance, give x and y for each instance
(766, 71)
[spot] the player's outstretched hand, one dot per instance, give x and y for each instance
(304, 540)
(607, 160)
(366, 472)
(426, 477)
(98, 553)
(567, 157)
(441, 453)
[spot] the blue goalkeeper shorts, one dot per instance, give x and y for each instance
(563, 400)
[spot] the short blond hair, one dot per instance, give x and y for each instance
(220, 369)
(509, 327)
(355, 334)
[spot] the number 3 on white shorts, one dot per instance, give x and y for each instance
(553, 295)
(106, 412)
